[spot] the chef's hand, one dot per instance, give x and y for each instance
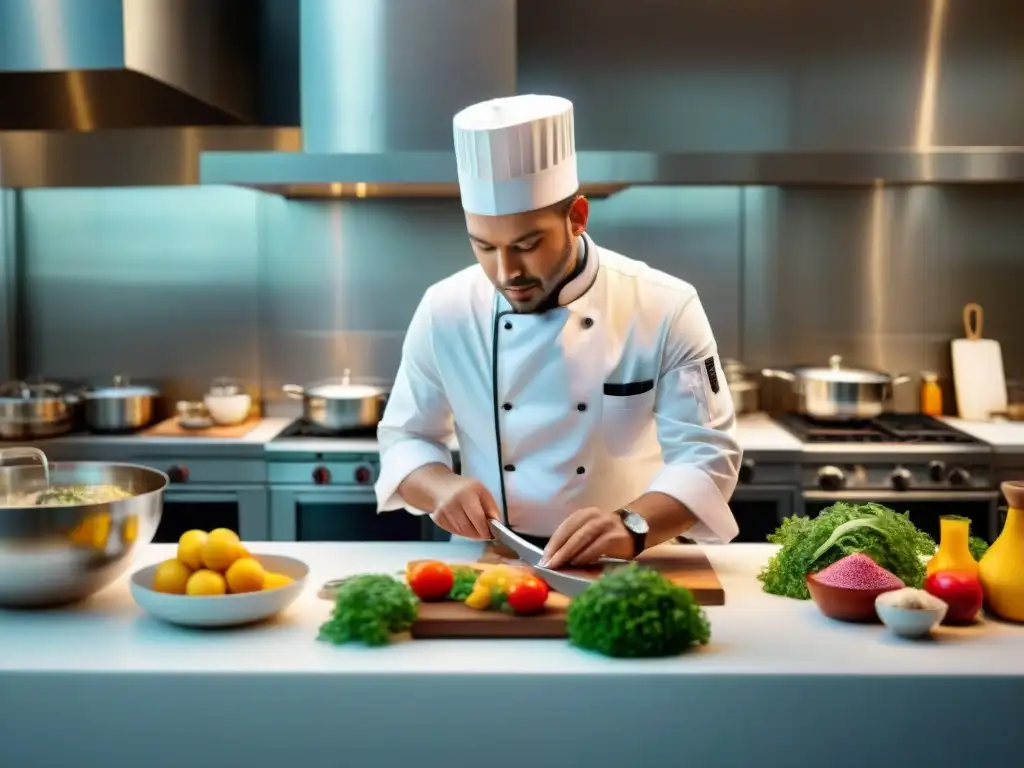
(465, 508)
(585, 536)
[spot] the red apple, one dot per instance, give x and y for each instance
(961, 591)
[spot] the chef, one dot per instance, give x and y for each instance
(584, 387)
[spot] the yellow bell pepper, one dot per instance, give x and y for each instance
(480, 598)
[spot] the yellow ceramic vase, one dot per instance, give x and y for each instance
(1002, 567)
(953, 554)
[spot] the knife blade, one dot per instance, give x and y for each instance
(527, 552)
(563, 583)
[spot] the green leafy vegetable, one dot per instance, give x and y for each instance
(810, 544)
(369, 609)
(465, 579)
(978, 547)
(636, 612)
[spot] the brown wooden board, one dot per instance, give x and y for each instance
(171, 428)
(685, 565)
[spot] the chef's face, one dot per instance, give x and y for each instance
(527, 255)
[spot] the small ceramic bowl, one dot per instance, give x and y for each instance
(909, 622)
(221, 610)
(843, 603)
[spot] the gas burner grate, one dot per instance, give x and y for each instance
(903, 428)
(302, 428)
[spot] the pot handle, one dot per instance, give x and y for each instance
(772, 373)
(294, 391)
(898, 379)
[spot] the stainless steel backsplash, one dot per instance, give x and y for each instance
(180, 285)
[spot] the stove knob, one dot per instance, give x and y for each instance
(178, 474)
(747, 471)
(901, 479)
(362, 475)
(831, 479)
(321, 476)
(936, 471)
(959, 476)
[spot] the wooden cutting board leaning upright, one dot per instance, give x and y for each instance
(978, 370)
(685, 565)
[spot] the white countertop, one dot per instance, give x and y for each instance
(101, 685)
(753, 633)
(1001, 435)
(759, 432)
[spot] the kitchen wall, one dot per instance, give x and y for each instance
(180, 285)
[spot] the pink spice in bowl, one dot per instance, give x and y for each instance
(846, 590)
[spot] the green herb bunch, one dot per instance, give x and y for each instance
(810, 544)
(369, 609)
(636, 612)
(465, 580)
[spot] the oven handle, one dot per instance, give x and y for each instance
(897, 496)
(200, 497)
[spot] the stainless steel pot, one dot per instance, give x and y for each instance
(120, 407)
(30, 411)
(836, 393)
(341, 404)
(745, 391)
(53, 555)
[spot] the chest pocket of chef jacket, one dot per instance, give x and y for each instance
(628, 412)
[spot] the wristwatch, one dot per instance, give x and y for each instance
(637, 527)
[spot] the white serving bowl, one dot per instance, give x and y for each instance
(908, 622)
(221, 610)
(228, 410)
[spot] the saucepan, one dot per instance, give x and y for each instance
(119, 407)
(837, 393)
(341, 404)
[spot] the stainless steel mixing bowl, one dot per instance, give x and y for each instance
(55, 555)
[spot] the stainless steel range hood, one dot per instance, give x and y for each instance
(87, 65)
(380, 81)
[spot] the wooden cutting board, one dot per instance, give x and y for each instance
(978, 374)
(171, 428)
(683, 564)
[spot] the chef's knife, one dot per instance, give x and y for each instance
(564, 583)
(527, 552)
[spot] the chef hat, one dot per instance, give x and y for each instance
(515, 154)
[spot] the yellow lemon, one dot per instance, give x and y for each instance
(275, 580)
(204, 583)
(190, 548)
(171, 576)
(245, 575)
(221, 549)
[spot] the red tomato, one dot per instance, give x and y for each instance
(431, 580)
(527, 595)
(961, 590)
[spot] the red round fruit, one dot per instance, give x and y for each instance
(527, 595)
(961, 591)
(431, 580)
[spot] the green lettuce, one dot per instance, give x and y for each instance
(810, 544)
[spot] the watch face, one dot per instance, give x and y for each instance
(635, 523)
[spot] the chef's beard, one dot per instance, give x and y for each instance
(549, 299)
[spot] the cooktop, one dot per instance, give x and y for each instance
(302, 428)
(903, 428)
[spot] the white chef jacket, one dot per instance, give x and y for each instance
(617, 391)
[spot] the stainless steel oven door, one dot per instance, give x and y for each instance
(759, 509)
(925, 507)
(243, 510)
(305, 513)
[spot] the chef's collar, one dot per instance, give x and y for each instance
(576, 283)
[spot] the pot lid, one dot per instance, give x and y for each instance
(21, 390)
(121, 388)
(345, 389)
(835, 372)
